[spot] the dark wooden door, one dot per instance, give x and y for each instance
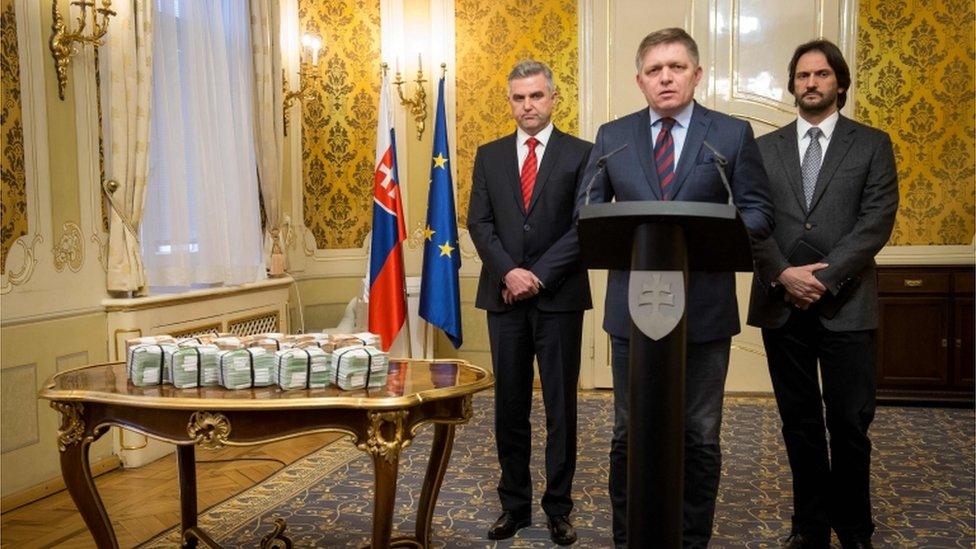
(913, 342)
(963, 335)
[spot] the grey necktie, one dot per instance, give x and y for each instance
(810, 167)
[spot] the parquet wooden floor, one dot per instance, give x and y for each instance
(142, 502)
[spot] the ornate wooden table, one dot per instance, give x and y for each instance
(382, 421)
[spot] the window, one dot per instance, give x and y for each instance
(201, 223)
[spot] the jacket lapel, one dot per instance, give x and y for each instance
(509, 162)
(697, 129)
(789, 156)
(840, 143)
(549, 161)
(645, 152)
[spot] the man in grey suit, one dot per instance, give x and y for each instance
(671, 152)
(815, 295)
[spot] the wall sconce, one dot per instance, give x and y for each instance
(417, 103)
(63, 41)
(307, 73)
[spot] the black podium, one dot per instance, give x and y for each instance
(660, 236)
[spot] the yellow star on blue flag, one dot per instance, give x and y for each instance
(440, 296)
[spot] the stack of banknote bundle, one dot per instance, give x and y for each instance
(196, 366)
(147, 340)
(151, 363)
(246, 368)
(359, 367)
(229, 343)
(268, 343)
(308, 368)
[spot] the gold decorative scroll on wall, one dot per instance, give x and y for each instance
(915, 80)
(14, 183)
(491, 38)
(339, 121)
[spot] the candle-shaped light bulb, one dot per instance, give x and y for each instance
(420, 62)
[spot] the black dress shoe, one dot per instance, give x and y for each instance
(506, 526)
(801, 541)
(561, 532)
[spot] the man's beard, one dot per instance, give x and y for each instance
(826, 101)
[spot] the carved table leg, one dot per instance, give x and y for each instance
(188, 490)
(385, 474)
(386, 436)
(77, 473)
(440, 455)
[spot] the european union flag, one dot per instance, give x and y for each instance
(440, 297)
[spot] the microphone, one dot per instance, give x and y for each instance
(600, 164)
(720, 162)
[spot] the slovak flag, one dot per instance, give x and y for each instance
(387, 288)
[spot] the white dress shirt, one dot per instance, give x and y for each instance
(826, 132)
(540, 149)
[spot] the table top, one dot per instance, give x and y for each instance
(409, 382)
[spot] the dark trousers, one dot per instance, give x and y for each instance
(554, 339)
(828, 491)
(706, 366)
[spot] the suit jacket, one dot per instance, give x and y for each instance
(710, 303)
(541, 239)
(850, 218)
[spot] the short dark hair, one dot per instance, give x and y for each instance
(667, 36)
(834, 58)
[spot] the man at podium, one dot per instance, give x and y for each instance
(668, 152)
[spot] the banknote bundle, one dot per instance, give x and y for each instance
(307, 368)
(246, 368)
(151, 363)
(196, 366)
(359, 367)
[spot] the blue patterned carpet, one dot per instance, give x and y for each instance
(923, 485)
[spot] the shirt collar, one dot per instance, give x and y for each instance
(683, 118)
(826, 126)
(543, 135)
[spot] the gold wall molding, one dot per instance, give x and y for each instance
(915, 81)
(69, 251)
(339, 133)
(490, 39)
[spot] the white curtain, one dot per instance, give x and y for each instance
(126, 65)
(202, 222)
(268, 126)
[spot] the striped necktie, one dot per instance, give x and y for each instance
(664, 156)
(529, 169)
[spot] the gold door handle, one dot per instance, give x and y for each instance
(913, 282)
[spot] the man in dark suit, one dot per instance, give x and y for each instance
(815, 294)
(672, 147)
(534, 290)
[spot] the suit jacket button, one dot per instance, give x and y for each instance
(526, 227)
(807, 226)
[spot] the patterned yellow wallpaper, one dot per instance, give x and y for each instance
(339, 129)
(915, 80)
(491, 37)
(13, 207)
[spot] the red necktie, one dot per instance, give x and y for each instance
(529, 170)
(664, 156)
